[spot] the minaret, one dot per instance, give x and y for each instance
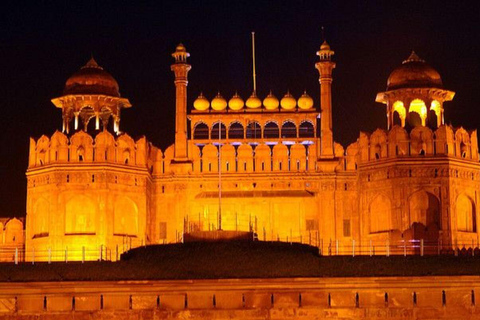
(181, 68)
(325, 67)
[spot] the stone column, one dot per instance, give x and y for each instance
(325, 67)
(181, 68)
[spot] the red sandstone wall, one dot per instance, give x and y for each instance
(341, 298)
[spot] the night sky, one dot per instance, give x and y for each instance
(42, 45)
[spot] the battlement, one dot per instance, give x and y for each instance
(246, 158)
(419, 142)
(82, 147)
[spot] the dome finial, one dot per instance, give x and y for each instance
(92, 63)
(413, 58)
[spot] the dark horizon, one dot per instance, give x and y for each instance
(44, 44)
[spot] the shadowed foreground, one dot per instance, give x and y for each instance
(239, 259)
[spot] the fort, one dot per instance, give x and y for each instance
(108, 215)
(270, 167)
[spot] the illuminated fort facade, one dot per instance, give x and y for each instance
(269, 166)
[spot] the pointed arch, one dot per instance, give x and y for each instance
(380, 214)
(227, 152)
(14, 231)
(289, 129)
(245, 158)
(104, 147)
(263, 158)
(400, 111)
(466, 214)
(125, 217)
(236, 131)
(424, 208)
(80, 214)
(417, 108)
(280, 157)
(271, 130)
(201, 131)
(215, 134)
(210, 158)
(40, 217)
(306, 129)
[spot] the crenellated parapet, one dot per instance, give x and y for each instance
(246, 158)
(419, 142)
(82, 147)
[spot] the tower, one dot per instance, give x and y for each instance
(87, 190)
(91, 93)
(418, 180)
(325, 67)
(181, 68)
(415, 95)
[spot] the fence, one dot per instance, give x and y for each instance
(419, 247)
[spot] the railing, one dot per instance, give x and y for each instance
(83, 254)
(419, 247)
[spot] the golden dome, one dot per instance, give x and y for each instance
(414, 73)
(201, 103)
(270, 102)
(219, 103)
(305, 102)
(288, 102)
(92, 79)
(236, 102)
(253, 102)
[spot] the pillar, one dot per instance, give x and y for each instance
(181, 68)
(325, 67)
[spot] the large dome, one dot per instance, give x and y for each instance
(92, 79)
(414, 73)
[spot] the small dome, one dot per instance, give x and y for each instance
(236, 102)
(414, 73)
(201, 103)
(305, 102)
(270, 102)
(253, 102)
(325, 46)
(219, 103)
(180, 48)
(92, 79)
(288, 102)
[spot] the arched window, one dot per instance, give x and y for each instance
(289, 130)
(417, 111)
(396, 119)
(414, 119)
(85, 115)
(378, 151)
(200, 131)
(215, 135)
(80, 153)
(254, 130)
(436, 118)
(432, 119)
(271, 130)
(306, 130)
(399, 109)
(463, 150)
(235, 131)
